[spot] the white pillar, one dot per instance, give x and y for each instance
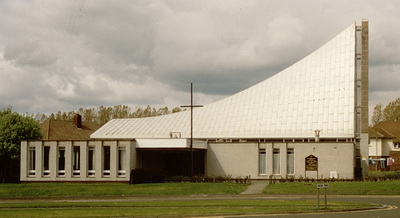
(68, 160)
(99, 159)
(53, 160)
(24, 160)
(269, 151)
(283, 153)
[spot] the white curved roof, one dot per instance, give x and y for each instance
(314, 93)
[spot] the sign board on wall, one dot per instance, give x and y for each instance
(311, 163)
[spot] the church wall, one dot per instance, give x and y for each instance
(332, 157)
(243, 159)
(232, 159)
(70, 160)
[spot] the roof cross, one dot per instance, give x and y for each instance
(191, 106)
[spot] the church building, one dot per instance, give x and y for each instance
(309, 120)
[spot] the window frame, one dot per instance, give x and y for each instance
(91, 161)
(122, 163)
(106, 161)
(76, 160)
(262, 162)
(31, 161)
(276, 161)
(61, 161)
(290, 162)
(46, 161)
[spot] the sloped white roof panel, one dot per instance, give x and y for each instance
(314, 93)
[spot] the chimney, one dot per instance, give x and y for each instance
(78, 121)
(317, 132)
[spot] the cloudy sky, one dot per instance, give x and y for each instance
(64, 55)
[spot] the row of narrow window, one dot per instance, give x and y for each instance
(276, 162)
(76, 165)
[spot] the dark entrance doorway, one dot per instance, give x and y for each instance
(174, 162)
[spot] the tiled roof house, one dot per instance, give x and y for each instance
(68, 130)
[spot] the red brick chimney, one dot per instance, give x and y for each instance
(78, 121)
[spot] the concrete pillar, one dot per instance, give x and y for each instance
(113, 159)
(283, 154)
(68, 160)
(53, 160)
(24, 160)
(39, 158)
(83, 159)
(268, 152)
(99, 159)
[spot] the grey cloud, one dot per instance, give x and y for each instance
(29, 53)
(90, 53)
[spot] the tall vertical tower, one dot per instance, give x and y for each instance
(361, 109)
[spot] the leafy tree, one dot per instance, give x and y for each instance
(176, 110)
(377, 115)
(392, 111)
(103, 115)
(13, 129)
(121, 111)
(89, 115)
(163, 111)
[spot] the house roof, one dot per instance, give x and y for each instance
(316, 93)
(376, 132)
(389, 129)
(373, 133)
(67, 130)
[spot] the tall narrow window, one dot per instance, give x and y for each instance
(76, 166)
(290, 161)
(276, 162)
(261, 162)
(91, 162)
(46, 160)
(106, 159)
(61, 161)
(121, 161)
(32, 161)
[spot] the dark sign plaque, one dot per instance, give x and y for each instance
(311, 163)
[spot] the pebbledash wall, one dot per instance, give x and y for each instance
(93, 160)
(110, 160)
(280, 159)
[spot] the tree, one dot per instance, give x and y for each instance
(89, 115)
(377, 115)
(392, 111)
(13, 129)
(162, 111)
(176, 110)
(104, 114)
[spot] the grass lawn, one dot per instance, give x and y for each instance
(340, 188)
(171, 208)
(116, 189)
(43, 207)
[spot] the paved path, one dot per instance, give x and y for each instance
(256, 187)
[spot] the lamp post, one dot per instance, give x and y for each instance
(191, 106)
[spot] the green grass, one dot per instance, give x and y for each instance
(115, 189)
(106, 205)
(168, 207)
(340, 188)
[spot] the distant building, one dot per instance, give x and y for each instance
(384, 146)
(309, 120)
(68, 130)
